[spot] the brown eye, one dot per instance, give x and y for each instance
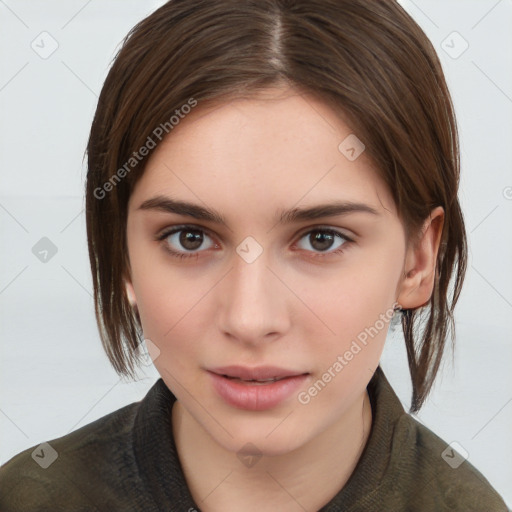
(321, 240)
(185, 241)
(190, 239)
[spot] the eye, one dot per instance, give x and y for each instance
(185, 241)
(323, 239)
(189, 241)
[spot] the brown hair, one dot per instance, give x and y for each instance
(367, 59)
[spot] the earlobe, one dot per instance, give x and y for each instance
(420, 263)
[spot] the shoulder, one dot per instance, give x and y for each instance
(436, 475)
(64, 473)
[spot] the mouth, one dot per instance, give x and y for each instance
(260, 374)
(256, 389)
(253, 381)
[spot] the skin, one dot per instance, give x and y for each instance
(296, 306)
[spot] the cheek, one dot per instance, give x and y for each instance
(355, 307)
(167, 316)
(168, 312)
(171, 302)
(162, 298)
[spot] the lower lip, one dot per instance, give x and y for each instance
(255, 397)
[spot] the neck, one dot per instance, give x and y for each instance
(306, 478)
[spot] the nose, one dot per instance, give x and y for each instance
(253, 302)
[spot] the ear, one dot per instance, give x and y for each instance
(420, 263)
(130, 293)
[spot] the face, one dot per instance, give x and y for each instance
(257, 289)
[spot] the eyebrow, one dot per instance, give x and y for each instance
(169, 205)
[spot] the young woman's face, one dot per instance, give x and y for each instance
(278, 288)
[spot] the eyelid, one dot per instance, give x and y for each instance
(169, 230)
(324, 227)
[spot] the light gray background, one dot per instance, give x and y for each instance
(55, 377)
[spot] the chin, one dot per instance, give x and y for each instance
(261, 442)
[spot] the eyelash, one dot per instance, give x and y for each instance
(161, 238)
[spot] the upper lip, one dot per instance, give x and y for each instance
(256, 373)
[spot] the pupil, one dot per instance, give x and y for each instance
(325, 240)
(191, 239)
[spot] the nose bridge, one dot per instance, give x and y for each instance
(251, 301)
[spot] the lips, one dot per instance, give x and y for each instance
(255, 389)
(259, 374)
(254, 381)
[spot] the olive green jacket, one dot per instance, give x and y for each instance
(127, 461)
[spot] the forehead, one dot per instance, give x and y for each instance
(280, 143)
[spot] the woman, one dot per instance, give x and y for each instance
(269, 183)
